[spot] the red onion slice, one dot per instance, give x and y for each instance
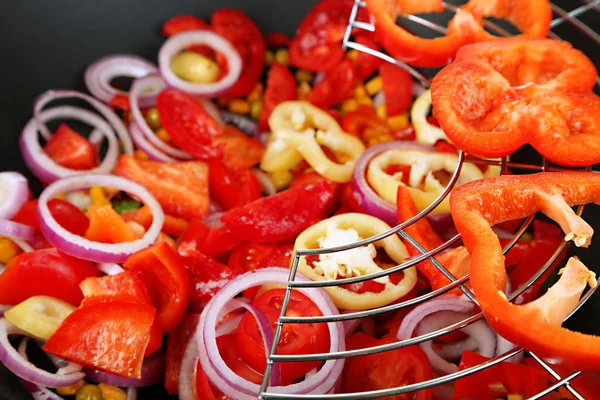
(144, 145)
(153, 372)
(26, 370)
(15, 230)
(100, 73)
(14, 192)
(112, 118)
(42, 166)
(265, 181)
(110, 268)
(131, 393)
(76, 245)
(214, 112)
(186, 372)
(177, 43)
(37, 392)
(236, 387)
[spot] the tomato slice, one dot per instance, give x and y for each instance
(46, 272)
(164, 275)
(276, 39)
(365, 63)
(280, 257)
(281, 86)
(111, 337)
(242, 32)
(233, 188)
(239, 150)
(295, 338)
(385, 370)
(189, 126)
(71, 150)
(310, 179)
(209, 241)
(181, 188)
(249, 257)
(66, 214)
(182, 23)
(177, 342)
(397, 87)
(335, 87)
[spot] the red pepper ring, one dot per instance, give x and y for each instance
(478, 205)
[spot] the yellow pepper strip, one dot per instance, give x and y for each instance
(110, 392)
(98, 196)
(425, 132)
(70, 390)
(8, 249)
(374, 86)
(359, 226)
(398, 122)
(40, 316)
(423, 185)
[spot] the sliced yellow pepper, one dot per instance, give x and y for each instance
(425, 132)
(39, 316)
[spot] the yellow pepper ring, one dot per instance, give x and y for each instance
(366, 226)
(422, 162)
(425, 132)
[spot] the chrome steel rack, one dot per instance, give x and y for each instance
(562, 16)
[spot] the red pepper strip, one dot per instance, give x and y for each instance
(498, 96)
(415, 50)
(397, 87)
(365, 63)
(281, 86)
(454, 260)
(478, 205)
(336, 85)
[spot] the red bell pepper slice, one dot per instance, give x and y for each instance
(276, 39)
(239, 150)
(355, 122)
(165, 277)
(209, 241)
(182, 23)
(397, 87)
(46, 272)
(279, 217)
(66, 214)
(143, 216)
(281, 86)
(242, 32)
(478, 205)
(128, 285)
(177, 342)
(365, 63)
(71, 150)
(181, 188)
(232, 188)
(496, 97)
(109, 336)
(335, 86)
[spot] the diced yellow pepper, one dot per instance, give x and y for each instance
(366, 101)
(140, 155)
(110, 392)
(239, 106)
(349, 105)
(255, 109)
(70, 390)
(353, 54)
(304, 76)
(8, 249)
(268, 57)
(40, 316)
(281, 179)
(398, 122)
(381, 111)
(360, 92)
(374, 86)
(282, 56)
(256, 93)
(303, 90)
(98, 197)
(163, 135)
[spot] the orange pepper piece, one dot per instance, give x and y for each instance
(107, 226)
(143, 216)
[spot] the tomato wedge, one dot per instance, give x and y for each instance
(232, 188)
(397, 87)
(281, 86)
(182, 23)
(71, 150)
(239, 150)
(177, 342)
(209, 241)
(336, 85)
(66, 214)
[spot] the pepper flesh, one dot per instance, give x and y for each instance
(476, 206)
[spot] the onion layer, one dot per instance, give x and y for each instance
(14, 192)
(153, 371)
(16, 230)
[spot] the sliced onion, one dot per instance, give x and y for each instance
(79, 247)
(504, 346)
(370, 202)
(131, 393)
(15, 230)
(101, 72)
(233, 385)
(189, 360)
(213, 220)
(265, 181)
(244, 123)
(38, 392)
(153, 372)
(14, 192)
(441, 223)
(80, 199)
(110, 268)
(4, 308)
(229, 326)
(214, 112)
(112, 118)
(144, 145)
(140, 87)
(45, 168)
(26, 370)
(177, 43)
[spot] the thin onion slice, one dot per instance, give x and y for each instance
(42, 166)
(179, 42)
(14, 192)
(15, 230)
(38, 392)
(110, 268)
(153, 372)
(265, 181)
(101, 72)
(236, 387)
(144, 145)
(187, 368)
(79, 247)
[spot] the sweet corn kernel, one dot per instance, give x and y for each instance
(110, 191)
(70, 390)
(163, 135)
(110, 392)
(372, 142)
(398, 122)
(239, 106)
(353, 54)
(303, 90)
(60, 196)
(256, 93)
(152, 119)
(349, 105)
(365, 101)
(281, 179)
(381, 111)
(282, 56)
(360, 92)
(304, 76)
(374, 86)
(140, 155)
(255, 109)
(8, 249)
(98, 196)
(269, 57)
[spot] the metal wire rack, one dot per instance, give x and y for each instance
(562, 16)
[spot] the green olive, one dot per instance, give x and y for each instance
(195, 67)
(153, 119)
(89, 392)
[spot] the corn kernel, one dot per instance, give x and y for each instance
(372, 142)
(353, 54)
(381, 111)
(60, 196)
(304, 76)
(70, 390)
(255, 109)
(303, 90)
(349, 105)
(374, 86)
(281, 179)
(398, 122)
(110, 392)
(282, 56)
(152, 119)
(163, 135)
(239, 106)
(140, 155)
(527, 237)
(110, 191)
(8, 249)
(256, 93)
(98, 196)
(268, 57)
(514, 397)
(360, 92)
(365, 101)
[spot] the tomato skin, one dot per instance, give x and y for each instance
(67, 215)
(335, 87)
(366, 64)
(120, 102)
(276, 39)
(71, 150)
(310, 179)
(398, 88)
(182, 23)
(239, 150)
(385, 370)
(295, 338)
(280, 257)
(83, 335)
(232, 188)
(177, 342)
(45, 272)
(209, 241)
(355, 122)
(281, 86)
